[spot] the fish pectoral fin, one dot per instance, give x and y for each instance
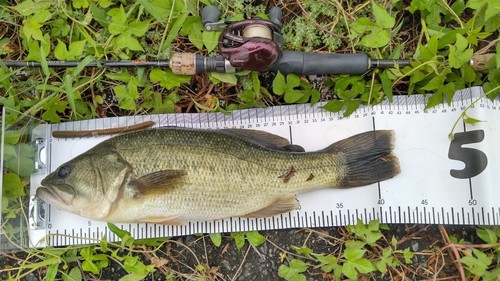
(167, 220)
(282, 204)
(158, 182)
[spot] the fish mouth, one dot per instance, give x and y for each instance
(54, 193)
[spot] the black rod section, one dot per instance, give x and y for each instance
(65, 64)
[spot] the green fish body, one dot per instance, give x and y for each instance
(174, 175)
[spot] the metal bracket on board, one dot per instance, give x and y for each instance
(36, 215)
(40, 156)
(36, 212)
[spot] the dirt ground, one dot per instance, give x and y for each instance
(196, 258)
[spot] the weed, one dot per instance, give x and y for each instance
(439, 37)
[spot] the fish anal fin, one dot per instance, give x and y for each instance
(282, 204)
(166, 220)
(157, 182)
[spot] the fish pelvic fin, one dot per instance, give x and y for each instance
(368, 157)
(157, 182)
(282, 204)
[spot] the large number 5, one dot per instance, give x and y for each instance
(475, 160)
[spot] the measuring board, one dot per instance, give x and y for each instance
(442, 181)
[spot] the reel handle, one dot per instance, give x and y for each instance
(275, 14)
(210, 18)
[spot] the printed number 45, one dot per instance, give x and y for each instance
(475, 160)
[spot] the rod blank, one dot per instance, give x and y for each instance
(105, 64)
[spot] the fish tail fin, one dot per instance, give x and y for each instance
(369, 158)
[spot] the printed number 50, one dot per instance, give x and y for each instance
(475, 160)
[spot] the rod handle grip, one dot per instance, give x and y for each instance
(321, 64)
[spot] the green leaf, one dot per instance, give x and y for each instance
(177, 26)
(193, 29)
(239, 239)
(229, 78)
(381, 266)
(353, 254)
(492, 275)
(382, 17)
(459, 53)
(29, 7)
(328, 263)
(471, 121)
(118, 22)
(334, 105)
(292, 81)
(408, 255)
(22, 163)
(363, 265)
(216, 238)
(279, 84)
(138, 28)
(362, 25)
(436, 83)
(349, 270)
(429, 50)
(377, 38)
(211, 39)
(89, 266)
(351, 106)
(292, 96)
(497, 56)
(133, 265)
(349, 87)
(255, 83)
(159, 9)
(487, 235)
(12, 186)
(482, 257)
(434, 100)
(386, 84)
(117, 231)
(255, 238)
(167, 78)
(74, 51)
(294, 271)
(74, 274)
(78, 4)
(306, 251)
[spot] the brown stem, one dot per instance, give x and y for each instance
(454, 250)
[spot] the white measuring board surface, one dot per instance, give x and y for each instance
(441, 181)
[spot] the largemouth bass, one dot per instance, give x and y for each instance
(174, 175)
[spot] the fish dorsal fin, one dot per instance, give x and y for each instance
(293, 148)
(157, 182)
(282, 204)
(263, 138)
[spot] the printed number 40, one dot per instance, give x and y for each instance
(475, 160)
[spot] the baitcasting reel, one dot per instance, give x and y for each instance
(252, 44)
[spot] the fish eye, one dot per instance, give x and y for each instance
(63, 171)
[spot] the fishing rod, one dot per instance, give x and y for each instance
(252, 44)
